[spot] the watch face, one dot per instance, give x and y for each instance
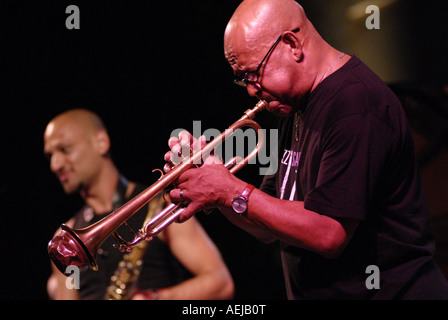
(239, 205)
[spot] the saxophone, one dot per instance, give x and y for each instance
(123, 282)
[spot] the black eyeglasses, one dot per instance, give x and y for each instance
(251, 77)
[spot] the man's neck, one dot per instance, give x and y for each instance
(99, 194)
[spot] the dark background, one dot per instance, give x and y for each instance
(148, 68)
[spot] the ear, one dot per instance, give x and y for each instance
(102, 142)
(294, 44)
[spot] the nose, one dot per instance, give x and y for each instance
(56, 162)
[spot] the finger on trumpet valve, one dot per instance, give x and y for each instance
(167, 167)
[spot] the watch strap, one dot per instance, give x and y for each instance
(247, 191)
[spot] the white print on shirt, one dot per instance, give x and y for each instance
(291, 160)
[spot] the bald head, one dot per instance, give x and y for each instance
(84, 120)
(256, 23)
(297, 62)
(266, 16)
(77, 145)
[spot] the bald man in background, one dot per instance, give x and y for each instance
(346, 203)
(180, 263)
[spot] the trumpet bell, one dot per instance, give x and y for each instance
(67, 249)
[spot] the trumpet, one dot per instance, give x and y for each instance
(79, 246)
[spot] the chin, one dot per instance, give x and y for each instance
(279, 109)
(70, 188)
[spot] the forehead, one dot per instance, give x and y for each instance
(61, 132)
(243, 60)
(245, 51)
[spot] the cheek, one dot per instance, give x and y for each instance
(278, 83)
(80, 159)
(74, 157)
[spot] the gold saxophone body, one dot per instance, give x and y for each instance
(123, 282)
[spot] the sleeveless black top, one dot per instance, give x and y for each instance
(160, 268)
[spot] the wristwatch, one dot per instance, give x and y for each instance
(239, 204)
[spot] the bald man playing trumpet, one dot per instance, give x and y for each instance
(346, 203)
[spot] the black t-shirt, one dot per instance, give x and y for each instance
(353, 157)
